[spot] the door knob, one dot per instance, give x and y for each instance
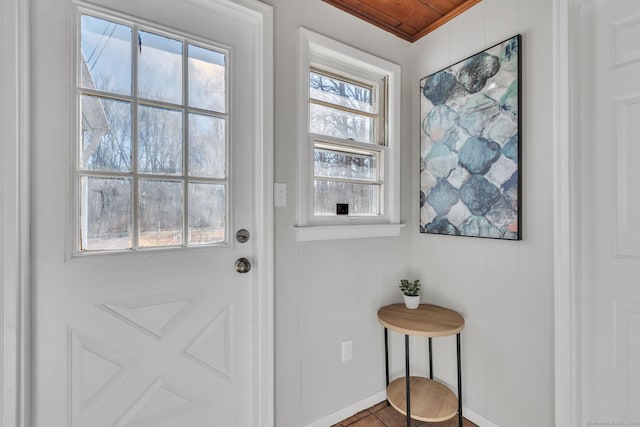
(242, 265)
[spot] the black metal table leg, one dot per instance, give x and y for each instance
(459, 381)
(430, 360)
(407, 379)
(386, 355)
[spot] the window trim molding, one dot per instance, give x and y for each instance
(342, 232)
(308, 228)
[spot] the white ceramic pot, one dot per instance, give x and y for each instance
(412, 302)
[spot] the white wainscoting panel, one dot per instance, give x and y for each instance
(628, 197)
(626, 36)
(628, 360)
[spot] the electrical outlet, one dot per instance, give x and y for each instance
(347, 350)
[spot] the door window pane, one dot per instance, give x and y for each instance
(207, 142)
(106, 56)
(105, 213)
(207, 207)
(363, 199)
(106, 134)
(160, 213)
(159, 140)
(207, 79)
(159, 68)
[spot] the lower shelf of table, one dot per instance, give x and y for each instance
(430, 400)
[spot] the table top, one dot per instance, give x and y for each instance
(426, 321)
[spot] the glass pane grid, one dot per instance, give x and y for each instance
(163, 132)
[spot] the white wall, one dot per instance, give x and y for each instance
(328, 292)
(504, 289)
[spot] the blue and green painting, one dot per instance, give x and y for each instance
(470, 146)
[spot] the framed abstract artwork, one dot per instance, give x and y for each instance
(470, 156)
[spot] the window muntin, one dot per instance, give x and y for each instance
(152, 167)
(346, 167)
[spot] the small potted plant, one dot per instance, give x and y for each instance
(411, 291)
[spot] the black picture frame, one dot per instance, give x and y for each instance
(470, 146)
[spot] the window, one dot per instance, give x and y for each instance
(349, 142)
(152, 153)
(347, 130)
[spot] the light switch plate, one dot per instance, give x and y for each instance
(280, 194)
(347, 350)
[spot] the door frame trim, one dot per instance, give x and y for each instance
(264, 323)
(15, 312)
(566, 214)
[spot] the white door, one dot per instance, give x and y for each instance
(610, 142)
(149, 335)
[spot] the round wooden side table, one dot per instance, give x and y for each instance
(423, 399)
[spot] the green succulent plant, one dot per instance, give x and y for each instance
(410, 289)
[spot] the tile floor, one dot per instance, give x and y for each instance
(382, 415)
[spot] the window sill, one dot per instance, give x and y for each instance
(340, 232)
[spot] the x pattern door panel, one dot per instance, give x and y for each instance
(182, 336)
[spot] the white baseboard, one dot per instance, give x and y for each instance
(345, 413)
(370, 401)
(476, 418)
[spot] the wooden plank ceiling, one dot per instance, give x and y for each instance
(407, 19)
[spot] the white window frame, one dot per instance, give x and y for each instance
(318, 51)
